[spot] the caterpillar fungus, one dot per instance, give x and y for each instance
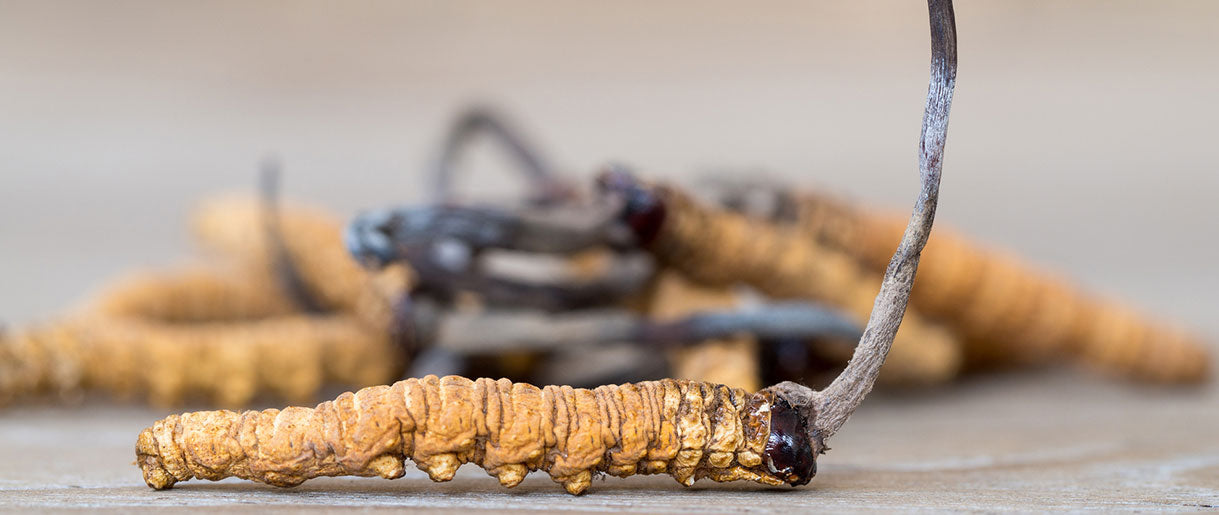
(718, 247)
(223, 334)
(309, 242)
(196, 333)
(312, 239)
(1006, 310)
(686, 429)
(691, 430)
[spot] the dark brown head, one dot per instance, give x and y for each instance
(789, 451)
(642, 208)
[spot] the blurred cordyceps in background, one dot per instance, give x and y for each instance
(1005, 312)
(723, 248)
(284, 308)
(1008, 312)
(226, 333)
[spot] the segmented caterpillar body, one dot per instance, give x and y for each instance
(194, 295)
(1007, 310)
(291, 357)
(685, 429)
(199, 333)
(718, 247)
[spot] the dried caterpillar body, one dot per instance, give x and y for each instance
(1007, 310)
(312, 238)
(717, 247)
(291, 357)
(686, 429)
(198, 333)
(194, 295)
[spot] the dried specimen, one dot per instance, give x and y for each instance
(691, 430)
(191, 295)
(302, 249)
(721, 248)
(686, 429)
(1007, 311)
(312, 239)
(223, 335)
(196, 334)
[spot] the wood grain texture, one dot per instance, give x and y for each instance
(947, 450)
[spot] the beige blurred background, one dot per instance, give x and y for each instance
(1083, 132)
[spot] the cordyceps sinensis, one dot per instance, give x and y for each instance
(295, 314)
(311, 240)
(1007, 311)
(685, 429)
(198, 333)
(689, 430)
(718, 247)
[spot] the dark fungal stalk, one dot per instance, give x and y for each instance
(545, 186)
(287, 276)
(827, 410)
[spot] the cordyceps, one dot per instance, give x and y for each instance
(195, 334)
(295, 314)
(1007, 311)
(720, 248)
(685, 429)
(311, 240)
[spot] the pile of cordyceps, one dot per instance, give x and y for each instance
(619, 283)
(745, 285)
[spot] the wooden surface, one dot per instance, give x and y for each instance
(1037, 441)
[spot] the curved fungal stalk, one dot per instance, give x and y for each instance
(223, 335)
(547, 187)
(840, 399)
(311, 239)
(682, 428)
(280, 258)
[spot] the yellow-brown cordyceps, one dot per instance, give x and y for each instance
(682, 428)
(196, 334)
(192, 295)
(686, 429)
(718, 248)
(223, 334)
(312, 239)
(1007, 311)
